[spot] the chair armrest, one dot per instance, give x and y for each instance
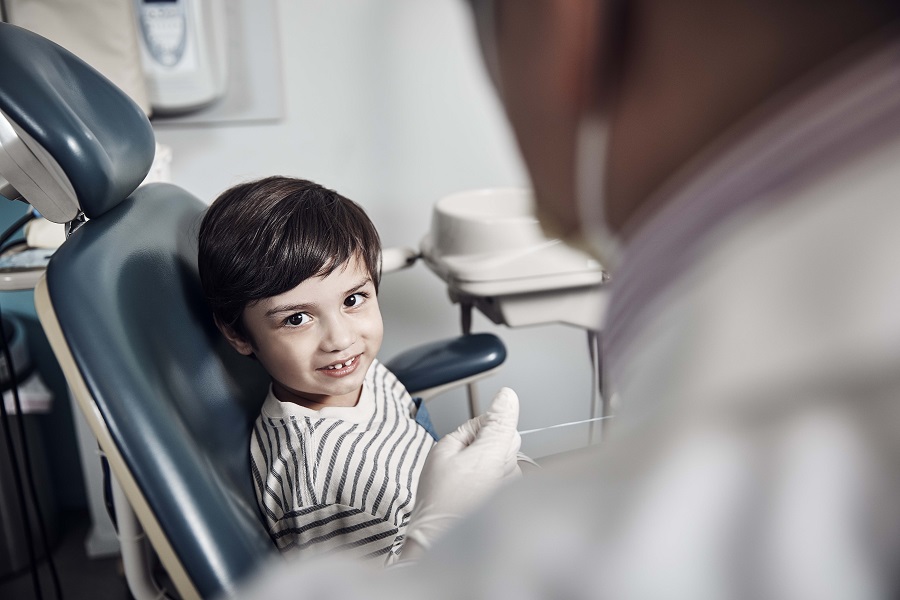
(435, 367)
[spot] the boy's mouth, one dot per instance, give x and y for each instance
(341, 368)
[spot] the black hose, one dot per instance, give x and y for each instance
(26, 455)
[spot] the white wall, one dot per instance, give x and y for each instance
(386, 102)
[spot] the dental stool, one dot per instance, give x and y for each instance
(170, 403)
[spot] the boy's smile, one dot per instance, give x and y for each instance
(318, 340)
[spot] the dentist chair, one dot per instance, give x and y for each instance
(171, 405)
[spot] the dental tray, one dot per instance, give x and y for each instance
(488, 244)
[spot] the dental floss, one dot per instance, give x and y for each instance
(527, 431)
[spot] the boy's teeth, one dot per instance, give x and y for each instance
(341, 366)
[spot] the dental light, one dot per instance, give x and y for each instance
(34, 174)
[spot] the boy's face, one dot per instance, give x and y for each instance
(317, 340)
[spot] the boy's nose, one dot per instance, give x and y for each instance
(338, 335)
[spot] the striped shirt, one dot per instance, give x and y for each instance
(341, 479)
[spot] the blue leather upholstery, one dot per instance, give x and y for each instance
(82, 128)
(178, 401)
(446, 361)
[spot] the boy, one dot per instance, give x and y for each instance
(291, 272)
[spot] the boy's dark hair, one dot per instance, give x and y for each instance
(262, 238)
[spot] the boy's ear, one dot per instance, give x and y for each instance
(237, 341)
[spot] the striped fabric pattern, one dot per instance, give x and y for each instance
(798, 137)
(340, 479)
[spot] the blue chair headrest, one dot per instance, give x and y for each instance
(64, 111)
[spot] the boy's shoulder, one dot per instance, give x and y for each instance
(380, 376)
(377, 370)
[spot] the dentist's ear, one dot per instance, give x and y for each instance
(237, 341)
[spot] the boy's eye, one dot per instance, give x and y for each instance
(297, 319)
(355, 300)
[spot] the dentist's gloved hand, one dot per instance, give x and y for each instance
(462, 469)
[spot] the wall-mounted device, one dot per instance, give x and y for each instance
(183, 52)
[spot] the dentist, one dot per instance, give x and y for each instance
(734, 163)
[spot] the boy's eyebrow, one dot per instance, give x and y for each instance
(359, 286)
(293, 308)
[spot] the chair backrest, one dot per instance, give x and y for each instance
(171, 405)
(176, 402)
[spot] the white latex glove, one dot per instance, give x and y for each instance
(462, 469)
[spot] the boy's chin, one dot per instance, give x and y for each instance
(350, 385)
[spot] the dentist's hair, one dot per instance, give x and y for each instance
(262, 238)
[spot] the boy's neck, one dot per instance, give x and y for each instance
(315, 402)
